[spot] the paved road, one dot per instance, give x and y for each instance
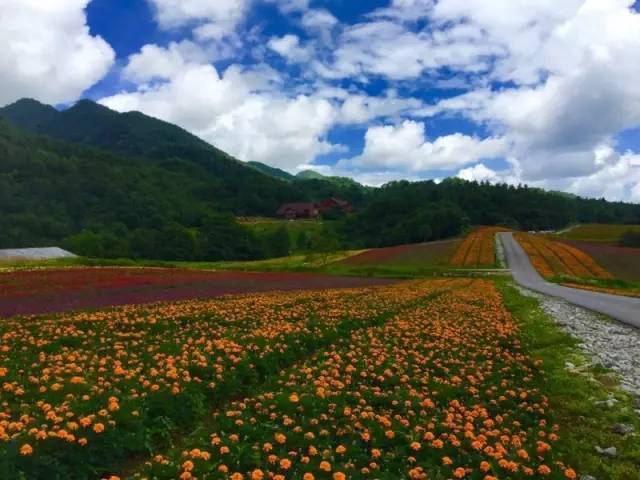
(624, 309)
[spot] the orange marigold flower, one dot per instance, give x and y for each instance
(415, 446)
(339, 476)
(447, 461)
(544, 470)
(294, 398)
(459, 472)
(570, 473)
(341, 449)
(308, 476)
(325, 466)
(285, 464)
(98, 428)
(257, 474)
(26, 450)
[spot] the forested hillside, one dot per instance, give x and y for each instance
(107, 184)
(402, 212)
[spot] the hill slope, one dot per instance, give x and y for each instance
(244, 189)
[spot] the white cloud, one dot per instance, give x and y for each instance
(291, 6)
(319, 19)
(618, 178)
(154, 62)
(358, 108)
(289, 47)
(405, 147)
(48, 52)
(478, 173)
(223, 14)
(575, 72)
(241, 111)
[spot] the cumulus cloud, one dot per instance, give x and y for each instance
(478, 173)
(216, 18)
(241, 110)
(48, 52)
(405, 147)
(575, 79)
(289, 47)
(552, 82)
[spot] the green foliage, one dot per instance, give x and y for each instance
(573, 395)
(278, 243)
(145, 189)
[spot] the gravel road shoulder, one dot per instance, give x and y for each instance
(610, 344)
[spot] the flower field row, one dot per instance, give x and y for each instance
(83, 393)
(552, 258)
(60, 290)
(478, 249)
(442, 390)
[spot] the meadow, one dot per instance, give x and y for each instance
(598, 233)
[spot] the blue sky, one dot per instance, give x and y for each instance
(533, 91)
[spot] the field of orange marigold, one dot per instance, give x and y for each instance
(478, 249)
(552, 258)
(420, 380)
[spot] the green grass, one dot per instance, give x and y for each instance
(599, 233)
(306, 262)
(572, 396)
(265, 226)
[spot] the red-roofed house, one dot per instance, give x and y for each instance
(293, 211)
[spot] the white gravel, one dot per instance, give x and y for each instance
(611, 344)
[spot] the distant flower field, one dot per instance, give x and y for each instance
(420, 380)
(478, 249)
(60, 290)
(556, 258)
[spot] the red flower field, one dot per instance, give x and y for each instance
(61, 290)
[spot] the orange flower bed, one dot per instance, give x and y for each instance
(478, 249)
(441, 390)
(83, 392)
(552, 258)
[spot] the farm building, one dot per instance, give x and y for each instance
(294, 211)
(336, 203)
(46, 253)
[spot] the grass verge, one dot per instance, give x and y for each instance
(573, 395)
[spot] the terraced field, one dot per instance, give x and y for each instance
(553, 258)
(478, 249)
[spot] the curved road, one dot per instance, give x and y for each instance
(624, 309)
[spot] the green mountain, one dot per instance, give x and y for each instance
(106, 184)
(89, 123)
(271, 171)
(113, 184)
(309, 175)
(338, 181)
(243, 189)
